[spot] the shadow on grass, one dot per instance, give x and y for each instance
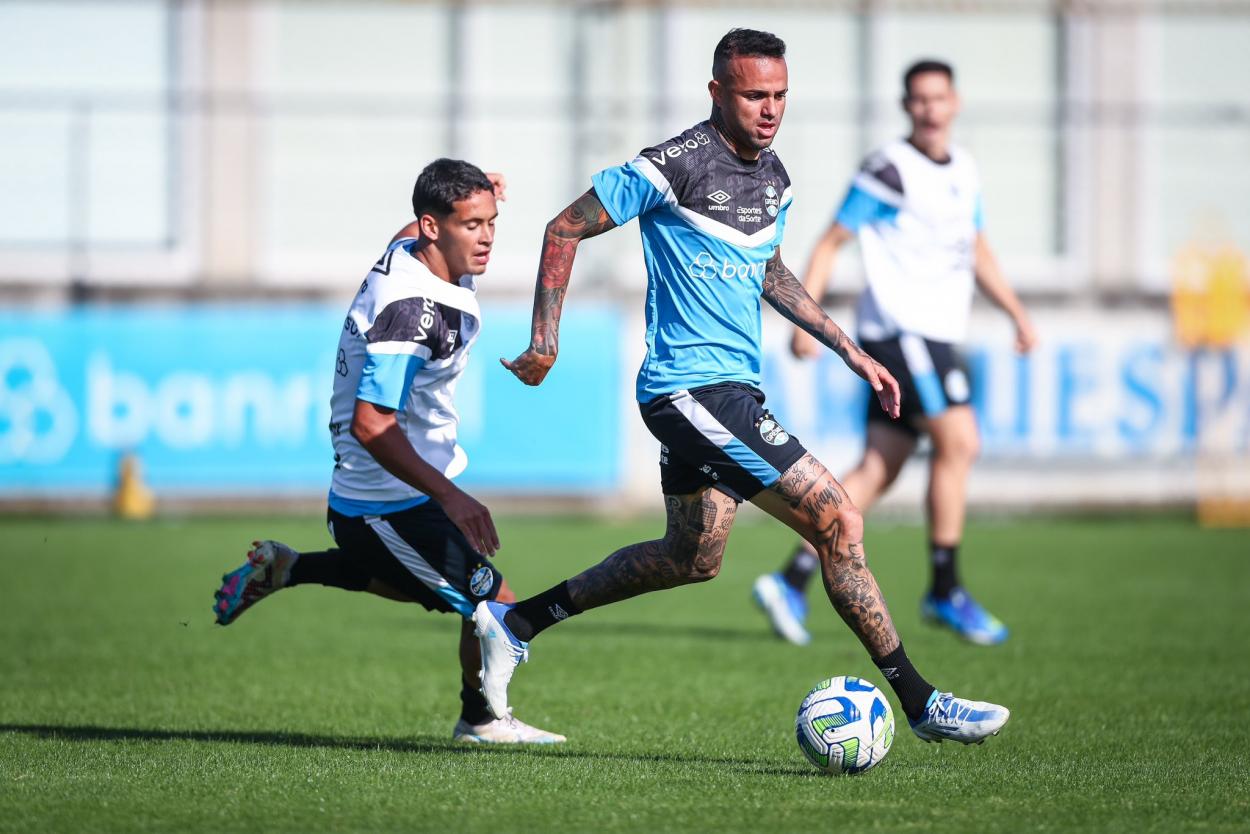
(416, 745)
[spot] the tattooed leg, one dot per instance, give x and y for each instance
(810, 500)
(691, 551)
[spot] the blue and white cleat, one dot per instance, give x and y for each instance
(267, 569)
(963, 615)
(502, 652)
(506, 730)
(955, 719)
(784, 605)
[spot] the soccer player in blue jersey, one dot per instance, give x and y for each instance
(404, 530)
(915, 206)
(711, 205)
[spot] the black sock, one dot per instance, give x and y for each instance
(473, 709)
(942, 558)
(912, 690)
(802, 566)
(530, 616)
(329, 567)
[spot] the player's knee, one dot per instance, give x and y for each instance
(707, 561)
(695, 560)
(962, 449)
(850, 523)
(967, 449)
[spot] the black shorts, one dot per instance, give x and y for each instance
(420, 553)
(932, 377)
(719, 435)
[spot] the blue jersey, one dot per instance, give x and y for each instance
(709, 222)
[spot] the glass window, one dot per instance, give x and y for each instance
(84, 133)
(1196, 140)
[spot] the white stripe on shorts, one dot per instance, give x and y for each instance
(916, 354)
(409, 557)
(701, 418)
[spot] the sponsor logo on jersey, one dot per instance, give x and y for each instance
(426, 321)
(772, 432)
(708, 268)
(662, 156)
(482, 581)
(719, 197)
(750, 214)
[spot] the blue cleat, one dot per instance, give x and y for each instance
(784, 605)
(962, 615)
(267, 569)
(502, 652)
(949, 718)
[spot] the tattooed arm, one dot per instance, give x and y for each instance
(787, 296)
(585, 217)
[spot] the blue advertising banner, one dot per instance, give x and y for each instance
(222, 398)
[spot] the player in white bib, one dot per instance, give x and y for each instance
(915, 207)
(404, 530)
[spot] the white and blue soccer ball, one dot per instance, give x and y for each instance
(845, 725)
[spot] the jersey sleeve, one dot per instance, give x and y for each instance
(978, 215)
(782, 214)
(405, 335)
(387, 377)
(860, 208)
(626, 192)
(875, 195)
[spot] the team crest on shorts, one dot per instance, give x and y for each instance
(772, 432)
(482, 581)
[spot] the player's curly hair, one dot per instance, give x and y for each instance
(446, 181)
(745, 42)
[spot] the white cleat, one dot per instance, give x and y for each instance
(502, 652)
(506, 730)
(947, 718)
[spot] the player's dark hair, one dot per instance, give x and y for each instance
(446, 181)
(739, 43)
(923, 67)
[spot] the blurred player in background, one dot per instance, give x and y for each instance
(915, 206)
(712, 206)
(404, 530)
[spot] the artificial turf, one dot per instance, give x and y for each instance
(123, 708)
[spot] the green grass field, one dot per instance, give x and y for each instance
(123, 708)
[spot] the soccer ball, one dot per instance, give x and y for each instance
(844, 725)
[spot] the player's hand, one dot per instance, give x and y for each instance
(473, 519)
(804, 345)
(881, 380)
(530, 367)
(501, 185)
(1026, 336)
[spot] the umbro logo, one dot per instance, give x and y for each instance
(558, 612)
(890, 672)
(720, 197)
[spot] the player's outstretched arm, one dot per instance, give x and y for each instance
(585, 217)
(816, 280)
(991, 281)
(378, 431)
(788, 297)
